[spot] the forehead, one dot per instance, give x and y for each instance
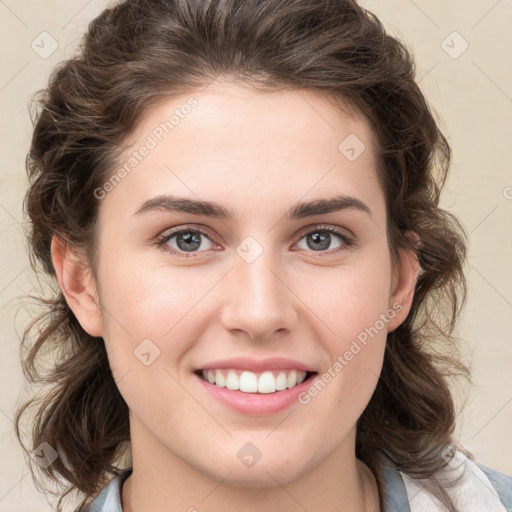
(292, 114)
(228, 140)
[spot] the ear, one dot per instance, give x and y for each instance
(404, 283)
(77, 285)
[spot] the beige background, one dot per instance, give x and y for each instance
(471, 92)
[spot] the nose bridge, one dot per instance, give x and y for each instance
(262, 281)
(257, 298)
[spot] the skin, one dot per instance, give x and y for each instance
(258, 155)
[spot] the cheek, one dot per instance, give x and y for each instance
(148, 301)
(143, 309)
(349, 299)
(152, 314)
(358, 315)
(354, 307)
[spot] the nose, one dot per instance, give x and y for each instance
(258, 299)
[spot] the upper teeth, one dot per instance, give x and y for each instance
(250, 382)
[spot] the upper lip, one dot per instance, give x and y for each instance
(258, 365)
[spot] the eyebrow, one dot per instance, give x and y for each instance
(175, 204)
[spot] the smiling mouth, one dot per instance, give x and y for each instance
(254, 382)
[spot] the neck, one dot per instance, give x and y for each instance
(338, 483)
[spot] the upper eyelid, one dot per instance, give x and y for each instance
(321, 226)
(174, 231)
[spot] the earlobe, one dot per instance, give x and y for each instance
(77, 285)
(404, 282)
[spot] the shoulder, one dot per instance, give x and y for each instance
(502, 484)
(109, 498)
(472, 486)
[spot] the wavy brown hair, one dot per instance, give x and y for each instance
(139, 52)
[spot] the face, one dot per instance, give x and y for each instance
(261, 291)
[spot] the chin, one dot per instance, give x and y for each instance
(264, 474)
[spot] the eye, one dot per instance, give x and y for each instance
(321, 238)
(184, 240)
(190, 240)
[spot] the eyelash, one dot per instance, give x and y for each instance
(347, 240)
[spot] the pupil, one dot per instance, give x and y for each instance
(322, 240)
(191, 241)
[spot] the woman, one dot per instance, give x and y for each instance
(239, 203)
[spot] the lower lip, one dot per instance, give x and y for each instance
(256, 404)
